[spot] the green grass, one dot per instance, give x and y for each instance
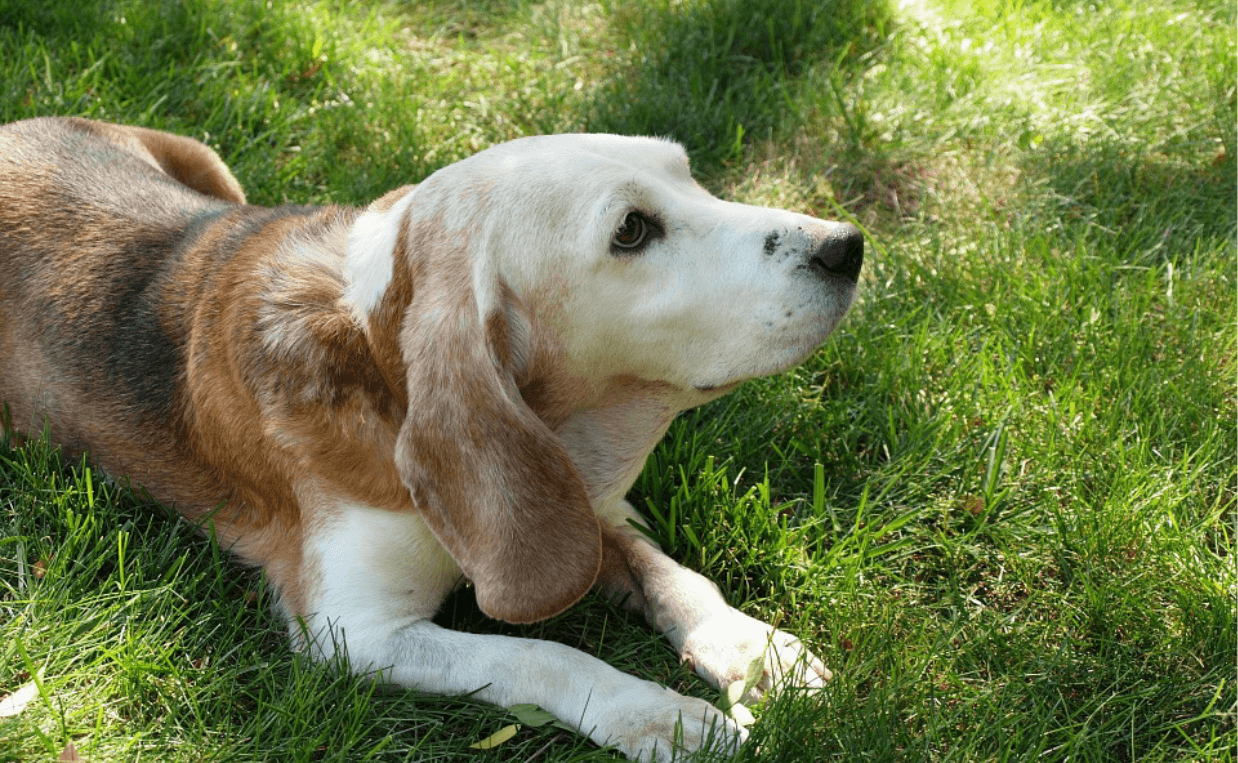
(999, 503)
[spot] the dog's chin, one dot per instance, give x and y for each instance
(776, 362)
(717, 390)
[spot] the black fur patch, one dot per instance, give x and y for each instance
(127, 344)
(116, 344)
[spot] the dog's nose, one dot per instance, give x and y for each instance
(841, 253)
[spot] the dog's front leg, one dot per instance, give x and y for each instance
(638, 718)
(718, 641)
(377, 577)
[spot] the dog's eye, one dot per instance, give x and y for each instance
(633, 232)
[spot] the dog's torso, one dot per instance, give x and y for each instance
(138, 323)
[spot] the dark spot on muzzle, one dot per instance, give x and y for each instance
(771, 244)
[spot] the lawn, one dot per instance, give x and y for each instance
(999, 502)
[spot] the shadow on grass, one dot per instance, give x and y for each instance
(66, 21)
(715, 74)
(123, 36)
(1162, 208)
(462, 19)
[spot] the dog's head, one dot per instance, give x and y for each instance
(517, 285)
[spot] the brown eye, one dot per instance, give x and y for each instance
(633, 232)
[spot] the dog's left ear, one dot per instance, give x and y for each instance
(492, 480)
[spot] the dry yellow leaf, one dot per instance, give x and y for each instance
(497, 738)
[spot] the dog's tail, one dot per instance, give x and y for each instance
(192, 163)
(184, 159)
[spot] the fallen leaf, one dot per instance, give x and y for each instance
(756, 669)
(531, 715)
(69, 755)
(736, 690)
(16, 702)
(497, 738)
(741, 715)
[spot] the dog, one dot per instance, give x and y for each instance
(459, 381)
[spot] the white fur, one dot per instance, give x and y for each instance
(703, 307)
(369, 264)
(374, 571)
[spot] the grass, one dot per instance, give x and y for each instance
(999, 503)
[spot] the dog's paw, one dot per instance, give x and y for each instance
(724, 648)
(654, 724)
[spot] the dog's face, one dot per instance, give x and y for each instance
(642, 273)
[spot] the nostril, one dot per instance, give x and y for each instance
(841, 254)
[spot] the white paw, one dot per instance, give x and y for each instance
(722, 648)
(654, 724)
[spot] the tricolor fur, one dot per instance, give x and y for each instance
(461, 380)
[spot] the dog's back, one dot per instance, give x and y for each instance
(90, 217)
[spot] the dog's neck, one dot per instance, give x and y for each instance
(610, 440)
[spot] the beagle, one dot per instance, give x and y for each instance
(460, 381)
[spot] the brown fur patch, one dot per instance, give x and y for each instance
(385, 322)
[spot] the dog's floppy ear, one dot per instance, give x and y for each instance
(491, 479)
